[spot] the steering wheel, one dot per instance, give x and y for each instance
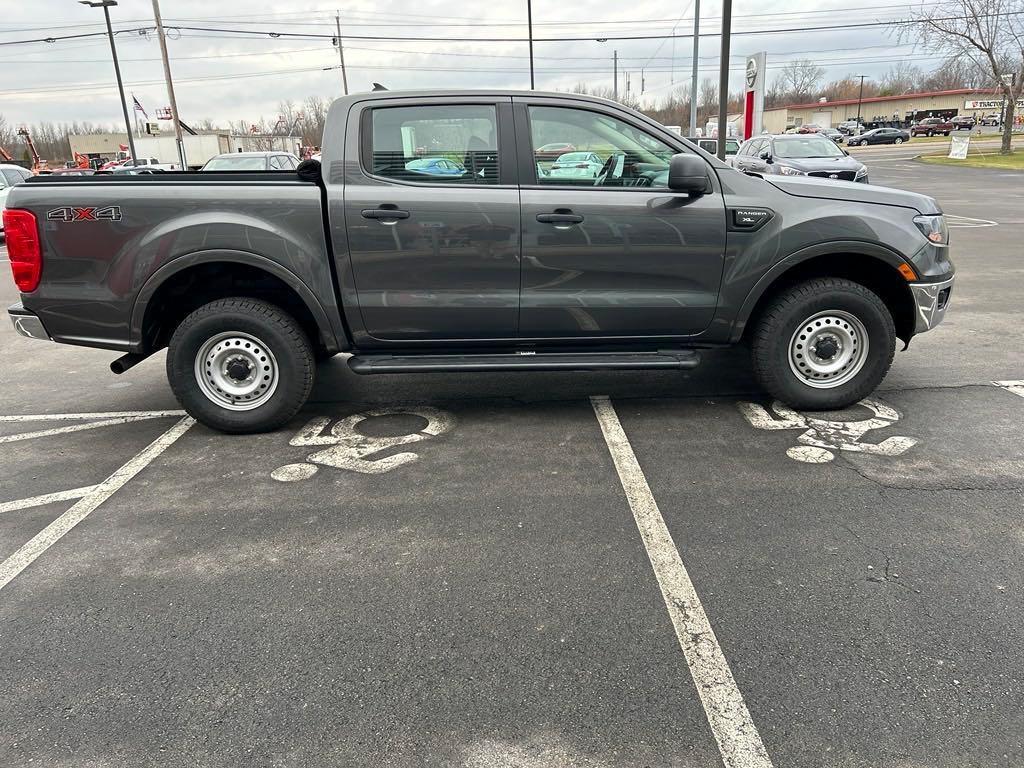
(602, 175)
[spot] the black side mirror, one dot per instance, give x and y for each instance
(766, 155)
(688, 173)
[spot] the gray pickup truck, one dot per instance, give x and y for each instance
(435, 237)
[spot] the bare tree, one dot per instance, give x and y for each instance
(988, 34)
(902, 77)
(799, 78)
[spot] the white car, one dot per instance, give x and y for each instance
(150, 162)
(9, 176)
(576, 165)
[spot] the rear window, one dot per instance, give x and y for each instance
(410, 143)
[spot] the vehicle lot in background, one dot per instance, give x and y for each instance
(9, 176)
(253, 161)
(932, 126)
(799, 155)
(583, 165)
(879, 136)
(491, 601)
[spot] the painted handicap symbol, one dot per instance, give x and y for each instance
(344, 447)
(821, 437)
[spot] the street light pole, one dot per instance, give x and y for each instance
(860, 98)
(529, 25)
(105, 5)
(615, 75)
(723, 76)
(693, 78)
(170, 85)
(341, 53)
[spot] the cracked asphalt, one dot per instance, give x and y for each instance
(489, 602)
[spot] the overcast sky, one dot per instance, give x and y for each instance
(228, 77)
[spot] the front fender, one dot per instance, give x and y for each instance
(854, 248)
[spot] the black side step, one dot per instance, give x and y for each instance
(519, 361)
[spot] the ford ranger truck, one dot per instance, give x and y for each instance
(434, 236)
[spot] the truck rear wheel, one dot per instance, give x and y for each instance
(240, 365)
(823, 344)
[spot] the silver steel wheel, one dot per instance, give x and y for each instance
(236, 371)
(828, 349)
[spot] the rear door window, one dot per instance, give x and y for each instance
(435, 144)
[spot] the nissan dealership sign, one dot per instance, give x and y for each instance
(990, 104)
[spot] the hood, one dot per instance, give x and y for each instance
(841, 163)
(851, 191)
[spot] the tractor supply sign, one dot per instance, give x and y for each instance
(990, 104)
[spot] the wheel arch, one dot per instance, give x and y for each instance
(189, 281)
(873, 266)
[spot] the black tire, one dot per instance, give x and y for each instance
(784, 315)
(283, 342)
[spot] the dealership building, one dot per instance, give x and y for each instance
(887, 110)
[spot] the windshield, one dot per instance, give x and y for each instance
(809, 146)
(237, 163)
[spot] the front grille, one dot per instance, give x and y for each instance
(840, 175)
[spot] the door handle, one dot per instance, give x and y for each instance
(559, 218)
(384, 215)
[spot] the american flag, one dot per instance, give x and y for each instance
(138, 107)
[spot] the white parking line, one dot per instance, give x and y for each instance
(738, 740)
(1017, 387)
(46, 498)
(52, 533)
(101, 415)
(73, 428)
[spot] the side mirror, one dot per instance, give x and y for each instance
(688, 173)
(766, 155)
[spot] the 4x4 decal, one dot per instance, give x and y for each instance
(108, 213)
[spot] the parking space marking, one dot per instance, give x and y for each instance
(968, 222)
(83, 416)
(822, 436)
(344, 447)
(46, 498)
(52, 533)
(1017, 387)
(75, 428)
(738, 739)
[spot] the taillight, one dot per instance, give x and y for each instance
(582, 165)
(23, 248)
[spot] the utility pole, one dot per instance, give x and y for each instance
(860, 98)
(723, 76)
(341, 52)
(170, 85)
(643, 82)
(693, 79)
(627, 86)
(615, 75)
(106, 5)
(529, 25)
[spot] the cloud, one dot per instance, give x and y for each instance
(225, 77)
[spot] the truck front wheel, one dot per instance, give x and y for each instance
(240, 365)
(823, 344)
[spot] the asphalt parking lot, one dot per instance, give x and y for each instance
(532, 570)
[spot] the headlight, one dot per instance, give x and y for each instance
(785, 170)
(934, 229)
(862, 172)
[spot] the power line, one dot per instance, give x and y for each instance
(587, 38)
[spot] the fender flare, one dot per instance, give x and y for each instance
(186, 261)
(768, 279)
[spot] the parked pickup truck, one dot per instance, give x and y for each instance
(932, 126)
(249, 278)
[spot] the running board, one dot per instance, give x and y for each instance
(519, 361)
